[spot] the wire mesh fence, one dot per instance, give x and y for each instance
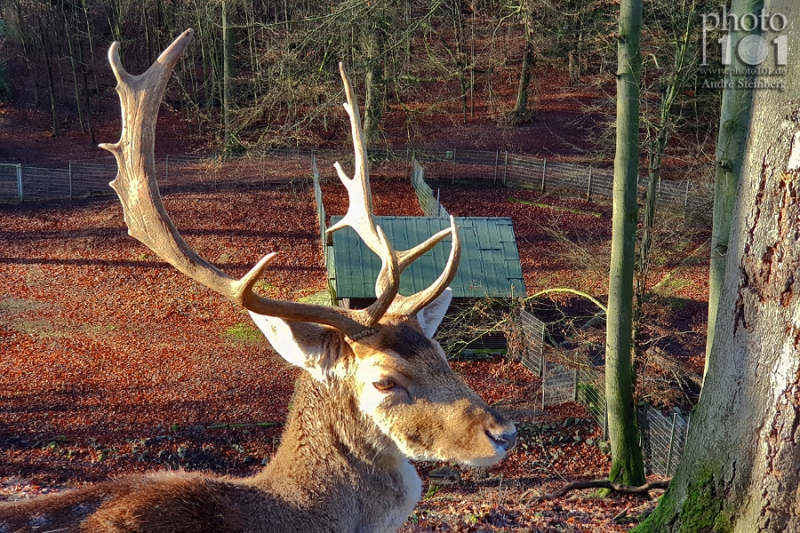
(559, 383)
(11, 182)
(591, 392)
(23, 183)
(530, 345)
(662, 437)
(520, 170)
(254, 168)
(430, 205)
(321, 216)
(90, 179)
(663, 440)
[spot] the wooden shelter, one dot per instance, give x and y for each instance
(489, 267)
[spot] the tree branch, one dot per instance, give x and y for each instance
(600, 484)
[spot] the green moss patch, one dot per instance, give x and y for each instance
(318, 298)
(242, 332)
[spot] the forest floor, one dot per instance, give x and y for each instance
(113, 362)
(563, 127)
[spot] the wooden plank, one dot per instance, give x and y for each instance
(489, 262)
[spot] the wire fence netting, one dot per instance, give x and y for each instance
(175, 173)
(567, 377)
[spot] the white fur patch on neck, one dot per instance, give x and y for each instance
(412, 485)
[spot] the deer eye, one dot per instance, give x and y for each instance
(384, 384)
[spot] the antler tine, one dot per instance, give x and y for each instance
(148, 221)
(359, 212)
(360, 217)
(410, 305)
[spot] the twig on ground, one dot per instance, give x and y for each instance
(622, 514)
(598, 484)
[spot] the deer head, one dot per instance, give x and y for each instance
(378, 369)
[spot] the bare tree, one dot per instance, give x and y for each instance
(627, 464)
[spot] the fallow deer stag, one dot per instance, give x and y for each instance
(377, 391)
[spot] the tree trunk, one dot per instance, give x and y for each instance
(374, 99)
(648, 223)
(46, 54)
(227, 77)
(520, 112)
(731, 139)
(66, 24)
(658, 138)
(28, 51)
(740, 471)
(86, 103)
(627, 466)
(93, 63)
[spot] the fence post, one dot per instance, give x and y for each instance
(541, 360)
(19, 182)
(575, 384)
(643, 430)
(544, 374)
(671, 444)
(686, 198)
(605, 419)
(589, 188)
(453, 166)
(496, 161)
(505, 169)
(544, 173)
(438, 204)
(70, 180)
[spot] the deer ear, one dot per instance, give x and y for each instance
(431, 316)
(302, 344)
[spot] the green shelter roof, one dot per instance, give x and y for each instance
(489, 265)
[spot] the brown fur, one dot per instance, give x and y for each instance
(341, 466)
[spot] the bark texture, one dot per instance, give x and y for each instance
(731, 140)
(627, 465)
(741, 469)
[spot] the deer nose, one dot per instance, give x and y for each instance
(504, 441)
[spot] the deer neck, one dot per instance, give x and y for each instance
(331, 452)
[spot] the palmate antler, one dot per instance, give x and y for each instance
(147, 219)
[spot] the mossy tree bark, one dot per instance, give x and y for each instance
(740, 471)
(731, 140)
(626, 455)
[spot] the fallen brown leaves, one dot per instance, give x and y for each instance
(112, 362)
